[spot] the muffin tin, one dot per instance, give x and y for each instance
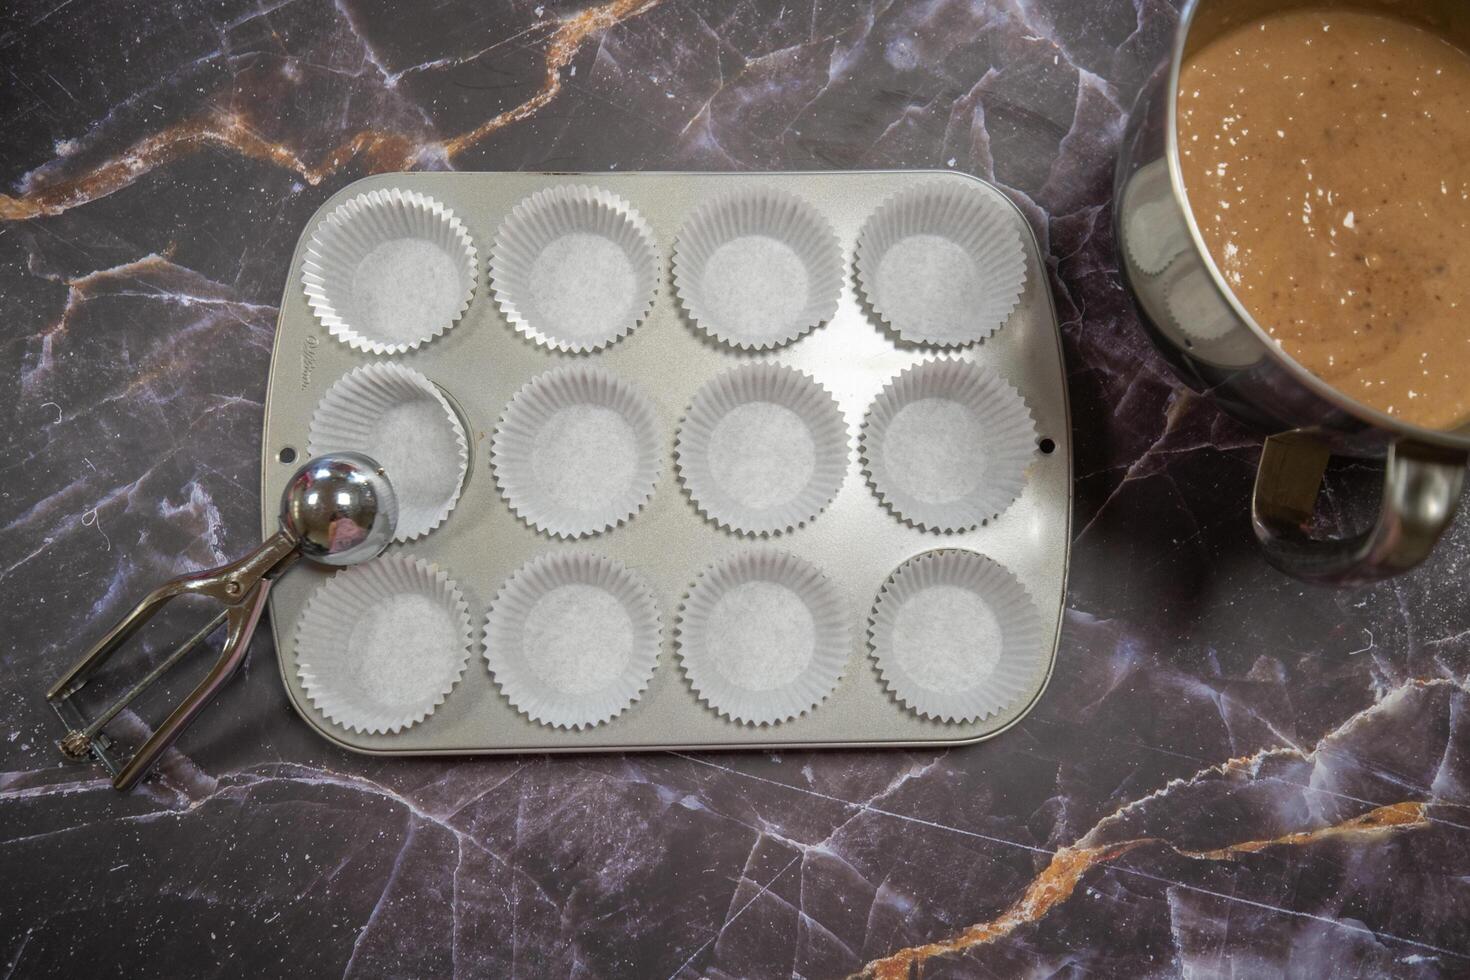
(856, 540)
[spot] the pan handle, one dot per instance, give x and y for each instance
(1421, 490)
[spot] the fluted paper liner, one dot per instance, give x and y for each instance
(946, 445)
(942, 263)
(1154, 231)
(574, 267)
(757, 268)
(573, 639)
(762, 637)
(957, 637)
(1197, 308)
(389, 270)
(764, 448)
(577, 451)
(398, 417)
(380, 645)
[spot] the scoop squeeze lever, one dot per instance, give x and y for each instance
(337, 509)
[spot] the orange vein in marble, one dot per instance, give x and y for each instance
(85, 287)
(1062, 874)
(1395, 816)
(382, 151)
(78, 289)
(565, 43)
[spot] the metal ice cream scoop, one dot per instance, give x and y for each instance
(337, 509)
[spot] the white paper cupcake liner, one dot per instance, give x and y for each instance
(1154, 232)
(1196, 308)
(573, 639)
(574, 268)
(389, 270)
(763, 637)
(757, 268)
(395, 415)
(946, 445)
(577, 451)
(1200, 317)
(380, 645)
(763, 449)
(956, 637)
(942, 264)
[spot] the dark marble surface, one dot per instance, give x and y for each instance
(1230, 773)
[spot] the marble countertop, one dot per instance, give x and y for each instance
(1230, 772)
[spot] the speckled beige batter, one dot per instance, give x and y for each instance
(1326, 155)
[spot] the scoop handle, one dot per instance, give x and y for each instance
(240, 622)
(1421, 491)
(241, 587)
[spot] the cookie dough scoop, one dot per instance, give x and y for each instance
(337, 509)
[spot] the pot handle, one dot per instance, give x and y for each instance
(1421, 488)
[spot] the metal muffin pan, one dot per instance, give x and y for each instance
(482, 361)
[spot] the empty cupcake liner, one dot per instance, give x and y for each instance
(1196, 308)
(757, 268)
(398, 417)
(574, 268)
(763, 637)
(573, 639)
(1154, 231)
(957, 637)
(1199, 316)
(577, 451)
(389, 270)
(762, 449)
(380, 645)
(942, 264)
(946, 445)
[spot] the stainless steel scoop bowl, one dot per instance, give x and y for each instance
(337, 509)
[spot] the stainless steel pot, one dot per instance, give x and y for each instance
(1216, 347)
